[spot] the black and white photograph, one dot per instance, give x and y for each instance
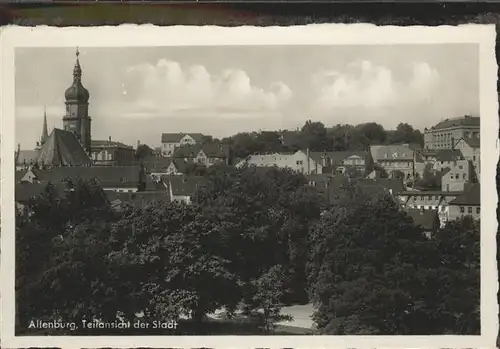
(291, 190)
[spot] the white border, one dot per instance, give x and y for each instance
(324, 34)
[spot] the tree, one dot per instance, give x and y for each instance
(405, 133)
(267, 294)
(368, 278)
(264, 215)
(430, 179)
(314, 136)
(44, 276)
(143, 151)
(360, 271)
(173, 251)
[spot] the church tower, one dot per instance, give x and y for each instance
(77, 119)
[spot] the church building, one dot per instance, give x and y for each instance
(73, 145)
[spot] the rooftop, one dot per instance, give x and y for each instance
(470, 196)
(62, 148)
(426, 219)
(106, 176)
(391, 152)
(471, 121)
(185, 185)
(176, 137)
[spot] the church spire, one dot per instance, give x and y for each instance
(77, 70)
(45, 133)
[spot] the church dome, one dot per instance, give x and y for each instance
(76, 92)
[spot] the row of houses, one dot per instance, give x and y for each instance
(120, 183)
(430, 209)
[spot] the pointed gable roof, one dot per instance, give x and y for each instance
(62, 148)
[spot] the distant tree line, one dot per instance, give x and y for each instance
(315, 136)
(251, 242)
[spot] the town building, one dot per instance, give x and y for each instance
(109, 178)
(428, 220)
(447, 132)
(183, 188)
(111, 153)
(299, 161)
(341, 162)
(394, 159)
(467, 204)
(207, 154)
(471, 150)
(457, 175)
(172, 141)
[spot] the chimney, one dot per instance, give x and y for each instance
(138, 144)
(109, 140)
(308, 161)
(18, 147)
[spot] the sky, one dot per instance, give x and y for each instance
(138, 93)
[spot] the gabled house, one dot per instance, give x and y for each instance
(471, 150)
(301, 161)
(183, 188)
(427, 219)
(207, 154)
(467, 204)
(172, 141)
(457, 175)
(341, 162)
(394, 159)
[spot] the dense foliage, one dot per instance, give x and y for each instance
(252, 242)
(372, 278)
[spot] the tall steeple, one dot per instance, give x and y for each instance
(45, 132)
(77, 119)
(77, 70)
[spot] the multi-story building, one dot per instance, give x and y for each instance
(111, 153)
(341, 162)
(445, 134)
(172, 141)
(471, 150)
(300, 161)
(457, 175)
(207, 154)
(467, 204)
(394, 158)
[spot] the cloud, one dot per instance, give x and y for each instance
(366, 85)
(168, 86)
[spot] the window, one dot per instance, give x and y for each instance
(300, 162)
(451, 176)
(457, 176)
(478, 210)
(464, 176)
(474, 158)
(430, 197)
(460, 167)
(436, 197)
(462, 209)
(469, 209)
